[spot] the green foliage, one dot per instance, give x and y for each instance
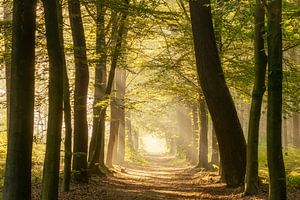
(134, 157)
(292, 167)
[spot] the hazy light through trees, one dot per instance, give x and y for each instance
(153, 144)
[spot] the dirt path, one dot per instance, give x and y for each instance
(158, 180)
(163, 178)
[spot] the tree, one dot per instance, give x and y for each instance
(55, 107)
(97, 153)
(7, 33)
(17, 183)
(67, 113)
(95, 149)
(80, 94)
(114, 129)
(277, 184)
(121, 85)
(203, 140)
(251, 186)
(296, 134)
(219, 101)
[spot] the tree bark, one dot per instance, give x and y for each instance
(219, 101)
(80, 93)
(252, 181)
(285, 131)
(277, 184)
(121, 85)
(203, 140)
(215, 150)
(98, 151)
(67, 113)
(7, 34)
(56, 65)
(17, 181)
(97, 140)
(296, 134)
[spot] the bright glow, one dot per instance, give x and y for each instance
(153, 144)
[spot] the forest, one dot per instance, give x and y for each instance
(149, 99)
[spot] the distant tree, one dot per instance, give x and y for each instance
(203, 139)
(296, 130)
(251, 186)
(214, 147)
(80, 93)
(121, 86)
(55, 107)
(17, 182)
(277, 183)
(219, 101)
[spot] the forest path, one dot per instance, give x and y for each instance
(160, 179)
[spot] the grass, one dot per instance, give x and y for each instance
(292, 165)
(38, 153)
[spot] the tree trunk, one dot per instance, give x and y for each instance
(17, 182)
(121, 84)
(196, 130)
(260, 57)
(203, 140)
(219, 101)
(80, 93)
(215, 150)
(129, 128)
(7, 34)
(296, 135)
(67, 113)
(100, 86)
(114, 128)
(99, 142)
(277, 184)
(285, 131)
(56, 66)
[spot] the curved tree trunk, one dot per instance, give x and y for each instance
(219, 101)
(17, 182)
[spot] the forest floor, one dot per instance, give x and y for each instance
(160, 179)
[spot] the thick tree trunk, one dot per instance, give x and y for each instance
(251, 186)
(296, 133)
(203, 140)
(277, 184)
(56, 66)
(219, 101)
(80, 94)
(17, 181)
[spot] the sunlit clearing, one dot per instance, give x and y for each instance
(154, 145)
